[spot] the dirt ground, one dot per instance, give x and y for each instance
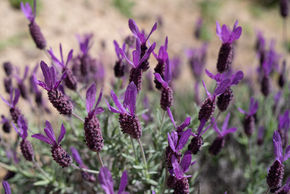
(61, 20)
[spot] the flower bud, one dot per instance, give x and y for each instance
(37, 35)
(224, 99)
(225, 57)
(195, 144)
(166, 99)
(61, 156)
(275, 176)
(60, 102)
(27, 150)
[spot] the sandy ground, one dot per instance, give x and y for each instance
(61, 20)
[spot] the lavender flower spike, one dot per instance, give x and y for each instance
(25, 145)
(93, 133)
(5, 124)
(34, 29)
(286, 188)
(276, 171)
(59, 100)
(14, 111)
(226, 51)
(249, 120)
(128, 120)
(70, 80)
(20, 83)
(86, 175)
(58, 153)
(219, 141)
(106, 181)
(138, 60)
(6, 187)
(119, 67)
(283, 127)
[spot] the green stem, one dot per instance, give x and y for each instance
(134, 149)
(84, 169)
(40, 169)
(164, 183)
(100, 159)
(162, 120)
(143, 156)
(78, 117)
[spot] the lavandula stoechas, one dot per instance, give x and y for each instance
(283, 127)
(137, 61)
(162, 59)
(260, 136)
(57, 152)
(282, 75)
(249, 120)
(25, 145)
(106, 181)
(166, 99)
(34, 88)
(219, 141)
(198, 28)
(6, 186)
(285, 188)
(69, 80)
(5, 124)
(34, 29)
(265, 82)
(227, 37)
(226, 97)
(119, 68)
(128, 119)
(20, 83)
(93, 133)
(86, 175)
(8, 68)
(284, 8)
(276, 171)
(142, 38)
(14, 111)
(57, 98)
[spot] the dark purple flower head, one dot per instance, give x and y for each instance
(198, 27)
(13, 100)
(253, 107)
(140, 35)
(20, 81)
(6, 187)
(224, 130)
(50, 136)
(278, 150)
(176, 144)
(61, 61)
(129, 104)
(22, 127)
(179, 169)
(28, 12)
(85, 43)
(137, 58)
(284, 8)
(5, 124)
(226, 35)
(167, 76)
(106, 181)
(50, 77)
(260, 136)
(8, 68)
(260, 42)
(91, 107)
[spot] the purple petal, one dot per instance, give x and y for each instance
(226, 121)
(106, 181)
(76, 156)
(277, 142)
(123, 182)
(171, 117)
(178, 171)
(183, 139)
(122, 52)
(172, 140)
(91, 97)
(207, 92)
(50, 136)
(42, 138)
(26, 9)
(222, 87)
(42, 84)
(218, 30)
(46, 73)
(253, 106)
(69, 57)
(237, 78)
(148, 52)
(225, 34)
(242, 111)
(6, 185)
(186, 161)
(185, 124)
(49, 127)
(6, 102)
(152, 30)
(215, 127)
(117, 49)
(168, 72)
(62, 133)
(133, 27)
(287, 153)
(112, 109)
(236, 33)
(230, 130)
(54, 58)
(130, 98)
(209, 74)
(159, 78)
(16, 97)
(117, 102)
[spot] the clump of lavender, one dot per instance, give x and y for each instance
(57, 98)
(142, 38)
(5, 124)
(227, 37)
(283, 127)
(34, 29)
(25, 145)
(58, 153)
(178, 179)
(20, 83)
(249, 120)
(128, 120)
(119, 68)
(138, 60)
(86, 175)
(14, 111)
(93, 133)
(106, 181)
(219, 141)
(162, 59)
(69, 80)
(276, 171)
(226, 97)
(166, 99)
